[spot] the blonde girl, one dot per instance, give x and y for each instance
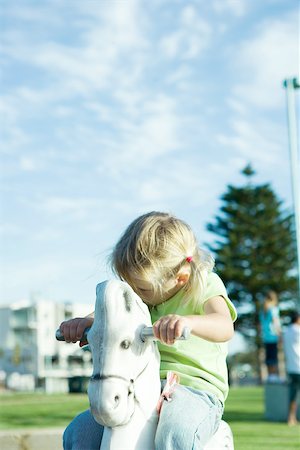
(158, 256)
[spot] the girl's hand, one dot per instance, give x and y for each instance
(73, 329)
(168, 328)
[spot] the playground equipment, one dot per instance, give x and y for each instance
(125, 386)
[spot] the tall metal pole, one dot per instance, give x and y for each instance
(291, 85)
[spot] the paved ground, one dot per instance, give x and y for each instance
(31, 439)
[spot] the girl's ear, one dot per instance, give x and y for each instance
(182, 278)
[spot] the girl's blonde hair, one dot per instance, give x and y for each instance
(154, 247)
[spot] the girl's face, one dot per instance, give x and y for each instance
(145, 290)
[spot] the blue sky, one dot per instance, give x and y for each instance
(110, 109)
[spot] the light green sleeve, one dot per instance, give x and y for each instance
(215, 287)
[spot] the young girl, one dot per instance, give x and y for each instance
(159, 258)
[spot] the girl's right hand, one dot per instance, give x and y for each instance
(73, 329)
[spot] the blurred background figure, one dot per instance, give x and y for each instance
(291, 345)
(271, 332)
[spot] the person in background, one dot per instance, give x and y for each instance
(271, 332)
(291, 346)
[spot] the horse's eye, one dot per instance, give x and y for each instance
(125, 344)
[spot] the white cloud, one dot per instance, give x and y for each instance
(28, 164)
(256, 124)
(124, 21)
(235, 7)
(13, 138)
(182, 178)
(238, 106)
(260, 142)
(28, 12)
(63, 111)
(10, 229)
(72, 207)
(151, 134)
(107, 43)
(48, 235)
(180, 77)
(190, 38)
(48, 275)
(266, 60)
(170, 44)
(121, 99)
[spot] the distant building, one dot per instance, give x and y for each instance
(30, 356)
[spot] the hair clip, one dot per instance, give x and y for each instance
(189, 259)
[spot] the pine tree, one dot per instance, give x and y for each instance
(255, 250)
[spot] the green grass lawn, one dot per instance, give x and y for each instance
(18, 410)
(244, 413)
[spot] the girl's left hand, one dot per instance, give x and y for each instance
(170, 327)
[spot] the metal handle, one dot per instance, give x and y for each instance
(60, 337)
(146, 333)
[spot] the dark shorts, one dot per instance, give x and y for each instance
(294, 384)
(271, 353)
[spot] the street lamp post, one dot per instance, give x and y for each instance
(291, 85)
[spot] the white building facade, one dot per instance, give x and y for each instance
(30, 356)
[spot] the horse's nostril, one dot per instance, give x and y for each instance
(117, 400)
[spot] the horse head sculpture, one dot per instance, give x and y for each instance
(125, 385)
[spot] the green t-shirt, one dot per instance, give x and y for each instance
(200, 364)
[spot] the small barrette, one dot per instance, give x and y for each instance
(189, 259)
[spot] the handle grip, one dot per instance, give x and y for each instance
(146, 334)
(60, 337)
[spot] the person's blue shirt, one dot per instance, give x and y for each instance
(268, 321)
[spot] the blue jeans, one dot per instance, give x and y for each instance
(185, 423)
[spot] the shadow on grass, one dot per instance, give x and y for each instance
(60, 419)
(242, 416)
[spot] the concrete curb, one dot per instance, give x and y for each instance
(32, 439)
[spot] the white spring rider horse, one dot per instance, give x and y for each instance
(125, 386)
